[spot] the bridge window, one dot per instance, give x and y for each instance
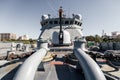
(46, 22)
(55, 22)
(66, 22)
(71, 22)
(76, 22)
(42, 24)
(80, 24)
(51, 22)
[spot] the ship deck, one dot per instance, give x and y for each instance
(56, 69)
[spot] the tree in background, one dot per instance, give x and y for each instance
(117, 39)
(32, 41)
(97, 39)
(90, 38)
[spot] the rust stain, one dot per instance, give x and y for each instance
(57, 63)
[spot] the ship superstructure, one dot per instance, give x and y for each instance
(71, 25)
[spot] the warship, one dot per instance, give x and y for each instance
(61, 54)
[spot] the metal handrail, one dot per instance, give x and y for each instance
(90, 68)
(29, 67)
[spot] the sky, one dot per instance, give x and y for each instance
(23, 16)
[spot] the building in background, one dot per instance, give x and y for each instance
(24, 37)
(0, 37)
(115, 34)
(7, 36)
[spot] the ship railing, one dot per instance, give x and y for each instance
(28, 68)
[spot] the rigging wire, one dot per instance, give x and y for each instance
(51, 6)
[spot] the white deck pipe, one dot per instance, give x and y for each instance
(29, 67)
(90, 68)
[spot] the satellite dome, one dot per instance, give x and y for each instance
(45, 17)
(78, 16)
(66, 37)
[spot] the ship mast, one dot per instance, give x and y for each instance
(61, 32)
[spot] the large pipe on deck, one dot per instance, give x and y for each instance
(90, 68)
(29, 67)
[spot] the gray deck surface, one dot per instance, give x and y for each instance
(8, 69)
(58, 72)
(49, 71)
